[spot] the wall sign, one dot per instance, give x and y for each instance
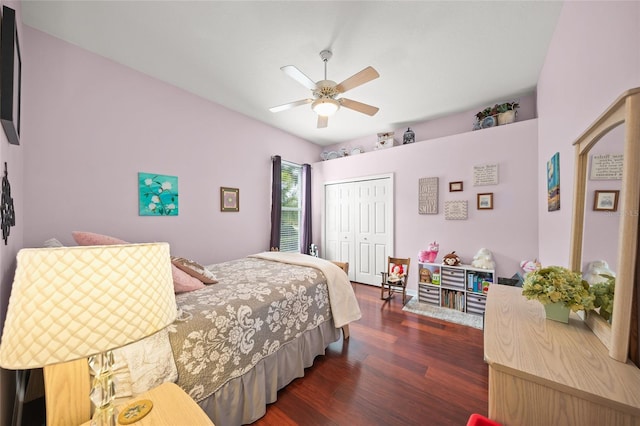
(455, 210)
(428, 195)
(485, 175)
(606, 167)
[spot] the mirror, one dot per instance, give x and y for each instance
(625, 110)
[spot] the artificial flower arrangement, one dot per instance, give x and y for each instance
(558, 284)
(603, 293)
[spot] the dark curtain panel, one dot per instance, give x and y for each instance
(305, 237)
(276, 202)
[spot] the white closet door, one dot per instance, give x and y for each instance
(339, 224)
(373, 233)
(359, 226)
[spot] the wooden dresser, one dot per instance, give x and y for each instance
(543, 372)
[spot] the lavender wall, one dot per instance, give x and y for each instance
(509, 230)
(95, 124)
(593, 57)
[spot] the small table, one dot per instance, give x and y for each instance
(171, 406)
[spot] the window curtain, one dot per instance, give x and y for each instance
(276, 202)
(305, 236)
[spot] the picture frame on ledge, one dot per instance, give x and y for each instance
(10, 76)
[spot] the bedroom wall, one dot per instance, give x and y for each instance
(13, 155)
(95, 124)
(509, 230)
(593, 57)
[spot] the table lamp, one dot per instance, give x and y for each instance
(69, 303)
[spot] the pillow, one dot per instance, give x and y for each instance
(194, 269)
(52, 243)
(182, 282)
(150, 363)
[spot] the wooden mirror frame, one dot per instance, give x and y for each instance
(626, 109)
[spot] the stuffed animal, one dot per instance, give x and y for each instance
(429, 255)
(483, 259)
(595, 272)
(397, 272)
(425, 276)
(530, 265)
(451, 259)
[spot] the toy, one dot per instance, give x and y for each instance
(425, 276)
(595, 270)
(530, 265)
(451, 259)
(429, 255)
(483, 259)
(397, 272)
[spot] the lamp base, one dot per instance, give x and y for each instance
(103, 389)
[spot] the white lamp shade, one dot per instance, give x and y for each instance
(325, 106)
(69, 303)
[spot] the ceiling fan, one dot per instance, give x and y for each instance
(324, 101)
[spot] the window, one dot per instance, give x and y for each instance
(291, 207)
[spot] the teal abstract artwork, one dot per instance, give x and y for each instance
(158, 195)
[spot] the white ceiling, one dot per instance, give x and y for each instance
(434, 58)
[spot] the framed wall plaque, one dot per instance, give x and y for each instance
(229, 199)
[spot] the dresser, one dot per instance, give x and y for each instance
(543, 372)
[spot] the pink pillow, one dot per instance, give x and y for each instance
(182, 282)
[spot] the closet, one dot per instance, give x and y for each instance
(358, 226)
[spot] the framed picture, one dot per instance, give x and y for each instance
(455, 186)
(485, 201)
(157, 195)
(10, 76)
(229, 199)
(553, 183)
(606, 200)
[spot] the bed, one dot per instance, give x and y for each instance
(237, 342)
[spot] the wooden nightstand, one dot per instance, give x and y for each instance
(171, 406)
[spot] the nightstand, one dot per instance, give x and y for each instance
(171, 406)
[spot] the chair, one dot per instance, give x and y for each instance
(391, 283)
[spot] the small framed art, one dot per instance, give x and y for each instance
(485, 201)
(606, 200)
(455, 186)
(229, 199)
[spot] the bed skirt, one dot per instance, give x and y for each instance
(243, 400)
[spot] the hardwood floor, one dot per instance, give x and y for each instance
(398, 368)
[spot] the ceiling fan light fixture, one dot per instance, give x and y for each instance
(325, 106)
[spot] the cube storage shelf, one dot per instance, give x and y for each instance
(463, 287)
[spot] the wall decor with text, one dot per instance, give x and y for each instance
(428, 195)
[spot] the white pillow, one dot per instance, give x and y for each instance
(150, 362)
(52, 242)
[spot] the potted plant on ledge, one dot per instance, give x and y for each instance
(507, 112)
(559, 290)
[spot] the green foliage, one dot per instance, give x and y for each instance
(558, 284)
(497, 108)
(603, 293)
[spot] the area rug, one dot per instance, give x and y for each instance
(445, 314)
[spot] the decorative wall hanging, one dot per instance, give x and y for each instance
(455, 186)
(553, 183)
(229, 199)
(485, 201)
(8, 213)
(158, 195)
(606, 200)
(10, 76)
(428, 195)
(455, 210)
(485, 175)
(606, 167)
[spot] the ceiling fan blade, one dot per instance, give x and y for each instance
(358, 106)
(360, 78)
(290, 105)
(323, 121)
(299, 76)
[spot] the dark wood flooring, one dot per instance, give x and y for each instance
(398, 368)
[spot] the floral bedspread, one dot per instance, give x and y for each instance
(225, 329)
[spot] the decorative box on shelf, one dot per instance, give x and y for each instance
(385, 140)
